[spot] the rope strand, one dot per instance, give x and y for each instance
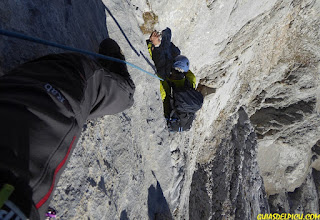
(53, 44)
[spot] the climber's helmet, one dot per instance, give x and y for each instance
(181, 63)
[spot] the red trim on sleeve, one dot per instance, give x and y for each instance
(46, 197)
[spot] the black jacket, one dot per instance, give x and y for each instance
(164, 55)
(43, 106)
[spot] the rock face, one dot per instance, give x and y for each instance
(230, 186)
(254, 147)
(304, 199)
(62, 22)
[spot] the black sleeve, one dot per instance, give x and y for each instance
(175, 51)
(161, 62)
(162, 57)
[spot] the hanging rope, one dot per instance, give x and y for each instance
(53, 44)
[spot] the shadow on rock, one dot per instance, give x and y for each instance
(158, 208)
(124, 215)
(80, 24)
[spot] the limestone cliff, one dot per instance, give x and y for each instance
(254, 146)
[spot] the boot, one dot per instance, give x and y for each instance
(111, 48)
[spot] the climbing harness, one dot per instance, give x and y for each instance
(53, 44)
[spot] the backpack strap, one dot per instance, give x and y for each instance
(172, 87)
(173, 109)
(187, 83)
(171, 84)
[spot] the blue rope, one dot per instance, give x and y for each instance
(53, 44)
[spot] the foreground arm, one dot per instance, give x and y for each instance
(44, 104)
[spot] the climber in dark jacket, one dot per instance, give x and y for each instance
(44, 104)
(172, 67)
(163, 52)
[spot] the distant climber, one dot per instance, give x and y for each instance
(44, 104)
(178, 94)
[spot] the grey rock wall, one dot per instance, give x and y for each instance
(254, 146)
(265, 56)
(68, 22)
(230, 186)
(304, 199)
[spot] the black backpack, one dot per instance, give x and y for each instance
(185, 102)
